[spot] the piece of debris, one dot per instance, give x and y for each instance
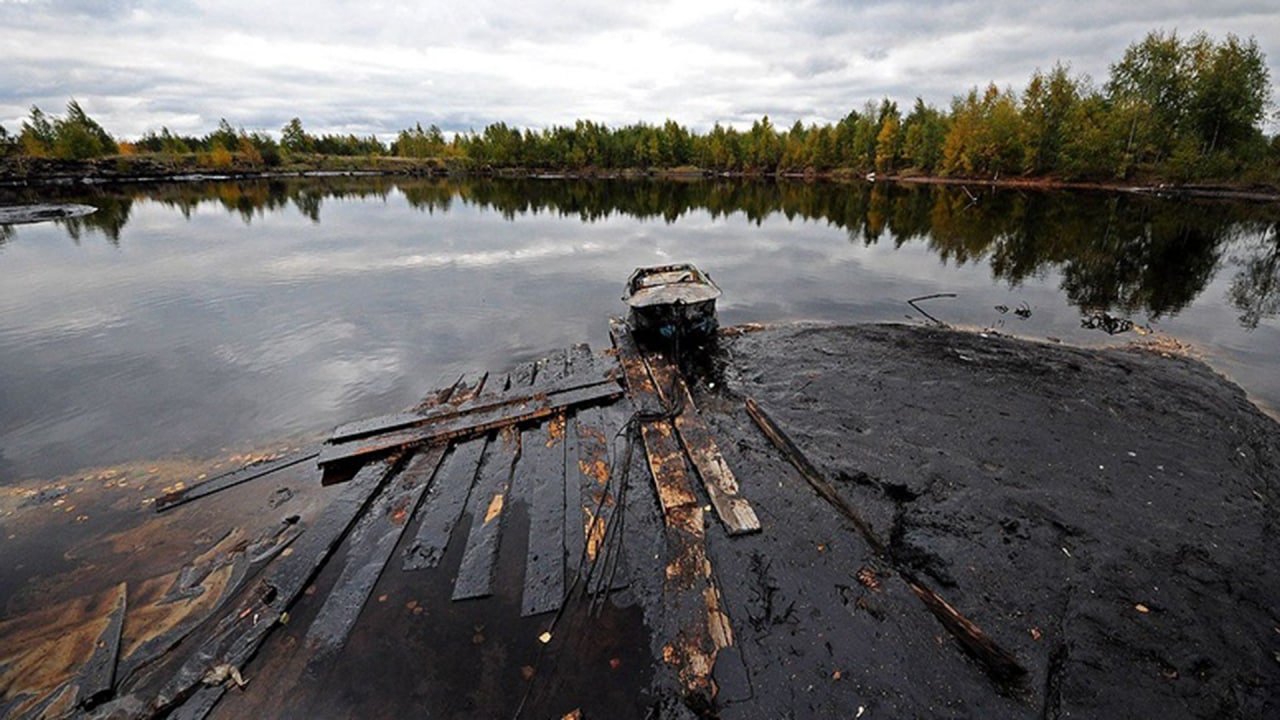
(222, 674)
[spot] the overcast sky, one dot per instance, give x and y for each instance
(375, 67)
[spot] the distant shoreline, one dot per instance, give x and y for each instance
(38, 172)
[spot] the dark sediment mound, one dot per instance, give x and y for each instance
(1109, 517)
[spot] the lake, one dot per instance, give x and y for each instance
(192, 319)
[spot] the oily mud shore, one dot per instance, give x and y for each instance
(1109, 516)
(1104, 520)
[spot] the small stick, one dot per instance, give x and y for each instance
(912, 302)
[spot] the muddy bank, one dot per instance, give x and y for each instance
(1107, 516)
(1255, 192)
(24, 172)
(15, 172)
(1105, 519)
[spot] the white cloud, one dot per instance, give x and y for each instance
(136, 65)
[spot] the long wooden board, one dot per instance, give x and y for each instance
(488, 505)
(717, 479)
(517, 396)
(999, 663)
(469, 425)
(232, 479)
(373, 540)
(539, 482)
(699, 627)
(443, 505)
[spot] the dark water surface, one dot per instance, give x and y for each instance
(183, 319)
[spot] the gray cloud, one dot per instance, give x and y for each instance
(375, 67)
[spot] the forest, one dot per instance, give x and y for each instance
(1173, 108)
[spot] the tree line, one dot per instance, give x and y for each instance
(1181, 108)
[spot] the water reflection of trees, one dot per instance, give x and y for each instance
(1255, 289)
(1120, 253)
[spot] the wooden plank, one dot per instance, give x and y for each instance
(698, 626)
(812, 475)
(469, 425)
(717, 479)
(97, 676)
(524, 394)
(444, 504)
(238, 635)
(540, 479)
(998, 662)
(578, 510)
(487, 503)
(593, 492)
(372, 541)
(466, 387)
(232, 479)
(595, 485)
(376, 535)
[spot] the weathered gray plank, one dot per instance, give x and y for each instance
(717, 479)
(488, 501)
(444, 504)
(372, 541)
(540, 479)
(239, 634)
(232, 479)
(486, 506)
(97, 676)
(468, 425)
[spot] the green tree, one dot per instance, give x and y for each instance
(8, 143)
(224, 137)
(924, 131)
(889, 143)
(294, 139)
(1047, 104)
(80, 137)
(37, 136)
(1151, 87)
(1230, 92)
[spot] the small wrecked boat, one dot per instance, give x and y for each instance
(672, 301)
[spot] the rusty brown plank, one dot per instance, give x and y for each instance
(469, 425)
(717, 479)
(698, 625)
(466, 387)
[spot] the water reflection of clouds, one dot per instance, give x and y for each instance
(206, 332)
